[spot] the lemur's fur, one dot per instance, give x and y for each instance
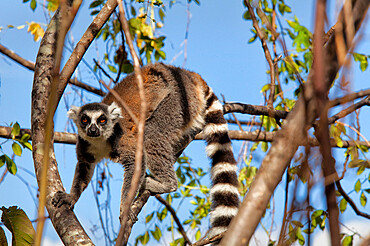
(180, 105)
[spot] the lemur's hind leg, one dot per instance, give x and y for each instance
(162, 178)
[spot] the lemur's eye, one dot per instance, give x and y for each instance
(102, 120)
(84, 120)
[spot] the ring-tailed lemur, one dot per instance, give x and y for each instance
(180, 105)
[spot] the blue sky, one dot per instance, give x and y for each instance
(217, 49)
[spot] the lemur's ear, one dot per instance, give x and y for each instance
(73, 112)
(115, 111)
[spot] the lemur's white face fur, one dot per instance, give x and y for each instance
(95, 120)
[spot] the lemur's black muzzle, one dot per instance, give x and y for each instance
(93, 131)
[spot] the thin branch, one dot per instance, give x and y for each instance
(136, 207)
(174, 215)
(12, 55)
(71, 138)
(105, 73)
(207, 241)
(31, 66)
(350, 109)
(322, 130)
(84, 44)
(254, 110)
(3, 175)
(350, 201)
(349, 97)
(121, 240)
(68, 11)
(267, 54)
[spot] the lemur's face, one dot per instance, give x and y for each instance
(95, 120)
(93, 123)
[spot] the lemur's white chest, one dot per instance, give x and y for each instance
(100, 149)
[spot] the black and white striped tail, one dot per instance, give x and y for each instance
(224, 192)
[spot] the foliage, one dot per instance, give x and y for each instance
(292, 62)
(19, 142)
(18, 223)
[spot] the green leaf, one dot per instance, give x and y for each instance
(3, 241)
(362, 59)
(28, 145)
(2, 160)
(145, 239)
(358, 186)
(149, 217)
(157, 234)
(359, 163)
(197, 235)
(347, 241)
(343, 205)
(264, 146)
(25, 137)
(17, 222)
(112, 69)
(94, 12)
(95, 4)
(300, 236)
(16, 129)
(162, 215)
(363, 199)
(161, 14)
(10, 165)
(17, 149)
(33, 5)
(247, 15)
(266, 87)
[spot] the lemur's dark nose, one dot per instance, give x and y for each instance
(93, 131)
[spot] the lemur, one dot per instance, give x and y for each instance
(180, 105)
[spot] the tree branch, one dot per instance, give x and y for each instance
(84, 44)
(31, 66)
(350, 201)
(267, 54)
(71, 138)
(64, 220)
(12, 55)
(254, 110)
(174, 215)
(350, 109)
(121, 240)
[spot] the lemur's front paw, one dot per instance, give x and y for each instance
(60, 198)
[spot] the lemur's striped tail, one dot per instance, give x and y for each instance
(224, 191)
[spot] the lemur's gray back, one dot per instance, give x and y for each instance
(180, 105)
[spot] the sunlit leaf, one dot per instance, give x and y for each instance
(17, 149)
(36, 30)
(10, 165)
(16, 129)
(343, 205)
(157, 234)
(363, 199)
(358, 186)
(18, 224)
(347, 241)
